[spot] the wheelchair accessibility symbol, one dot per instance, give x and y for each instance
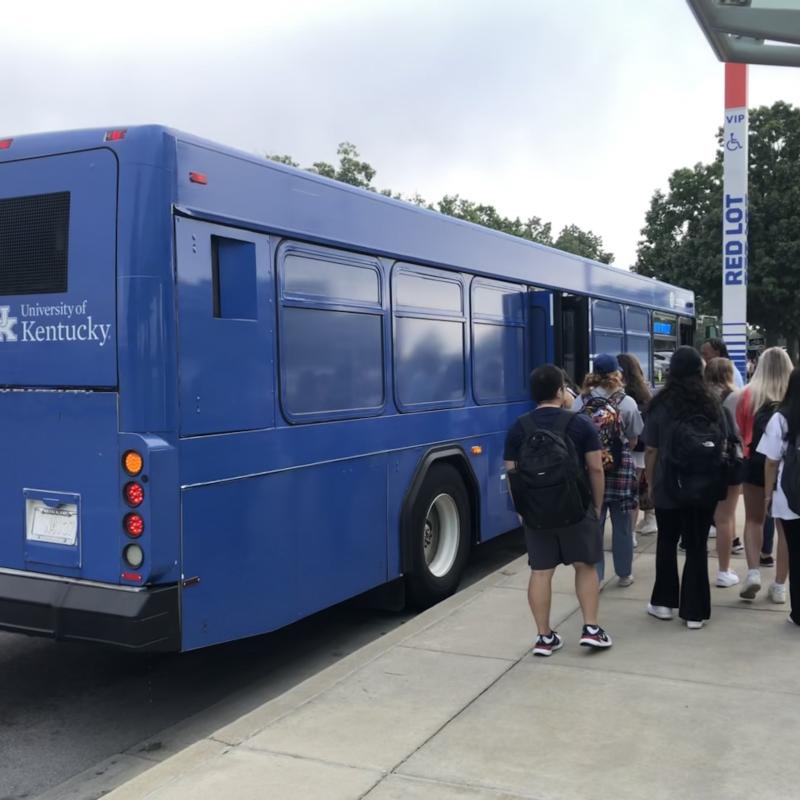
(733, 144)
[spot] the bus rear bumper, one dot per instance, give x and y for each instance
(145, 620)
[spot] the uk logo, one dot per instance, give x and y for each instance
(7, 324)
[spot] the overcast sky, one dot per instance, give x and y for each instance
(571, 110)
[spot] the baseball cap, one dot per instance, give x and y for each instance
(605, 363)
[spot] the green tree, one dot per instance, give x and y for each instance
(682, 236)
(582, 243)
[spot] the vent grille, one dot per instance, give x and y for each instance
(34, 240)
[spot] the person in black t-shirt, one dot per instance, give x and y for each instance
(581, 544)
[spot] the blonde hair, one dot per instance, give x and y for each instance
(770, 379)
(719, 375)
(610, 381)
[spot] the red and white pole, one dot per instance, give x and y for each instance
(734, 216)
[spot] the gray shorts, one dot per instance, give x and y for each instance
(582, 542)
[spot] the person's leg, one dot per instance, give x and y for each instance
(754, 523)
(601, 564)
(768, 537)
(791, 530)
(540, 591)
(666, 588)
(782, 561)
(695, 600)
(725, 521)
(635, 511)
(587, 588)
(621, 540)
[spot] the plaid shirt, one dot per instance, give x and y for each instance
(621, 484)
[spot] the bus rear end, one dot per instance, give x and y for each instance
(76, 554)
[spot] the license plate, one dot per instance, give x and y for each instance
(52, 524)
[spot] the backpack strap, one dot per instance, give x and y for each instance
(562, 423)
(616, 398)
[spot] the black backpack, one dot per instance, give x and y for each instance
(548, 486)
(790, 477)
(760, 422)
(695, 465)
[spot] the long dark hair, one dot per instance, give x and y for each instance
(633, 377)
(685, 393)
(790, 408)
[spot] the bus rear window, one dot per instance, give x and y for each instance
(34, 238)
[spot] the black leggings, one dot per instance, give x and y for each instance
(691, 596)
(791, 527)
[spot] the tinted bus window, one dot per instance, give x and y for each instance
(639, 346)
(498, 342)
(429, 348)
(331, 359)
(607, 315)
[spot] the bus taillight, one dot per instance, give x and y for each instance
(5, 144)
(132, 462)
(133, 524)
(134, 494)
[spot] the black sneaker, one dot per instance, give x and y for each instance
(595, 636)
(547, 645)
(766, 561)
(737, 546)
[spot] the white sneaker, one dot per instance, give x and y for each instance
(635, 542)
(659, 612)
(752, 585)
(777, 593)
(694, 624)
(712, 532)
(647, 525)
(624, 581)
(726, 579)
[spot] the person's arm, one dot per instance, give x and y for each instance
(509, 465)
(597, 478)
(650, 458)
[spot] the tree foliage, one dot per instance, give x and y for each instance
(352, 170)
(682, 236)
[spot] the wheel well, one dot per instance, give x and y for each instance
(457, 458)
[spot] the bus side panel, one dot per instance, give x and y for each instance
(272, 549)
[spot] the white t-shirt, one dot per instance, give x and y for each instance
(773, 446)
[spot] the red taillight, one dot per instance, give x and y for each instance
(133, 524)
(134, 494)
(5, 143)
(131, 576)
(198, 177)
(115, 136)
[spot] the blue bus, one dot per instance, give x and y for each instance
(233, 393)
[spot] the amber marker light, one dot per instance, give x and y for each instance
(132, 462)
(476, 450)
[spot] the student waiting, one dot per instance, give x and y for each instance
(554, 463)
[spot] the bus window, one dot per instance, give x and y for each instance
(607, 327)
(665, 341)
(498, 342)
(429, 338)
(572, 350)
(331, 344)
(637, 336)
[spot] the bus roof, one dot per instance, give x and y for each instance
(255, 192)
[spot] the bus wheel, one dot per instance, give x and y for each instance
(441, 536)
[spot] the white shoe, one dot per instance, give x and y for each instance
(752, 585)
(777, 593)
(624, 581)
(694, 624)
(659, 612)
(726, 579)
(635, 542)
(647, 524)
(712, 532)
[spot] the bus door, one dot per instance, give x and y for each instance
(572, 335)
(225, 329)
(542, 335)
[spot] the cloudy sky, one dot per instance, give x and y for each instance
(571, 110)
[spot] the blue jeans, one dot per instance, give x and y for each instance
(621, 540)
(769, 536)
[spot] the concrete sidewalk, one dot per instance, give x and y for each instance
(452, 705)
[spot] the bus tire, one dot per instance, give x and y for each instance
(440, 534)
